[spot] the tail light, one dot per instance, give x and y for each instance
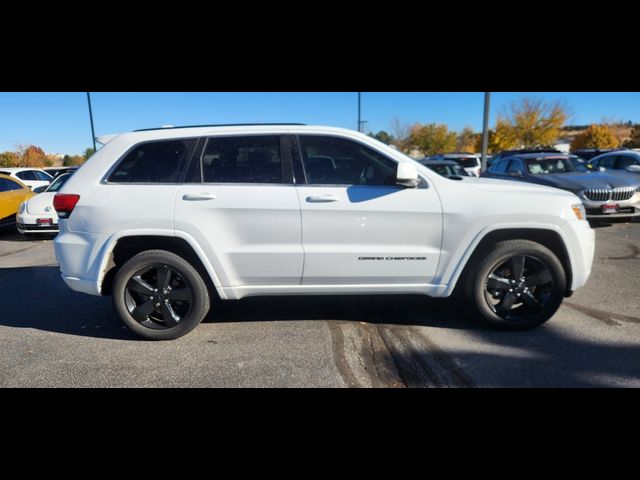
(64, 203)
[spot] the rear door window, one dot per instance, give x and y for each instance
(243, 159)
(27, 175)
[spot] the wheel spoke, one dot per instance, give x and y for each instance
(517, 266)
(530, 301)
(169, 315)
(504, 307)
(137, 284)
(142, 311)
(164, 277)
(497, 282)
(539, 278)
(182, 294)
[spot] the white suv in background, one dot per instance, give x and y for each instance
(471, 162)
(32, 177)
(167, 220)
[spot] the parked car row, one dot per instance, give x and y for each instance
(607, 184)
(29, 207)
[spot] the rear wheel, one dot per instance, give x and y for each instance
(159, 295)
(519, 285)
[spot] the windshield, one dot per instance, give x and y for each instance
(58, 183)
(466, 162)
(540, 166)
(448, 170)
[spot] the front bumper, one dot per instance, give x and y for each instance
(623, 212)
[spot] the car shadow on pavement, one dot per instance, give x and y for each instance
(392, 309)
(36, 297)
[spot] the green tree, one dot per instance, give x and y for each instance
(9, 159)
(433, 138)
(596, 136)
(634, 140)
(536, 122)
(467, 140)
(73, 160)
(383, 136)
(88, 152)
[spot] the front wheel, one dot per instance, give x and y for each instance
(159, 295)
(519, 285)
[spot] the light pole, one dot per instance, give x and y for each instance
(361, 122)
(485, 130)
(359, 111)
(93, 133)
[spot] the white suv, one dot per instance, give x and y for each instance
(166, 220)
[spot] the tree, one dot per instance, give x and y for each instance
(88, 152)
(32, 156)
(400, 133)
(502, 137)
(73, 160)
(634, 140)
(467, 140)
(596, 136)
(9, 159)
(536, 122)
(433, 138)
(383, 136)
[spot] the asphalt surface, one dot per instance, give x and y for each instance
(51, 336)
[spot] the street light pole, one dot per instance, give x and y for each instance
(485, 130)
(359, 110)
(93, 133)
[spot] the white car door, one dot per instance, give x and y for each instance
(240, 205)
(358, 226)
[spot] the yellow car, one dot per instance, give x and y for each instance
(12, 194)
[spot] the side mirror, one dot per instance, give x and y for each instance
(633, 168)
(515, 173)
(407, 175)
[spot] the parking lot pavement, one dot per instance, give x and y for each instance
(51, 336)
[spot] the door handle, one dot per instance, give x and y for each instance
(322, 199)
(198, 196)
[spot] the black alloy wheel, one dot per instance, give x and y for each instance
(516, 284)
(519, 287)
(158, 296)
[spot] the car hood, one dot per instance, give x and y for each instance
(583, 180)
(39, 204)
(512, 186)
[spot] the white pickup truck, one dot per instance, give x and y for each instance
(167, 220)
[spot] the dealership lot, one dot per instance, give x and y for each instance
(51, 336)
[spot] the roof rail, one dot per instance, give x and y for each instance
(220, 125)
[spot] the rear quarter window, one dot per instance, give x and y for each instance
(162, 161)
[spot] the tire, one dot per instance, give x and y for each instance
(504, 302)
(151, 311)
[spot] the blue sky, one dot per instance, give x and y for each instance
(59, 122)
